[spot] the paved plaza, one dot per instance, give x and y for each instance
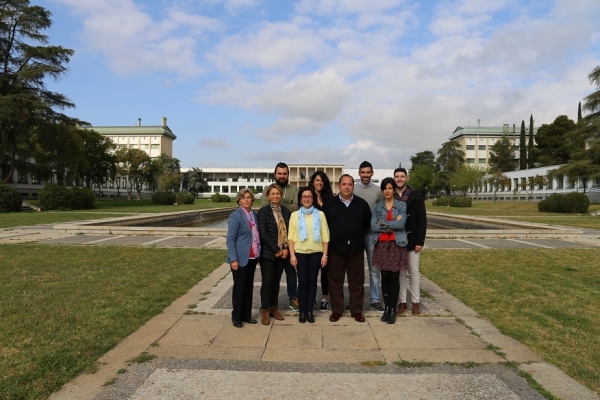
(449, 352)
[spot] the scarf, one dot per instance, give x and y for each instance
(281, 229)
(316, 224)
(255, 248)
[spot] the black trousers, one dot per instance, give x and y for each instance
(243, 286)
(308, 271)
(351, 265)
(390, 287)
(271, 271)
(324, 281)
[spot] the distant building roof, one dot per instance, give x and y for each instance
(487, 131)
(138, 130)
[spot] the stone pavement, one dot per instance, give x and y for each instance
(449, 352)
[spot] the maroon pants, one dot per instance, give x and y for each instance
(340, 265)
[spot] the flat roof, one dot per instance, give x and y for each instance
(136, 130)
(487, 131)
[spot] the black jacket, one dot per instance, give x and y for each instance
(347, 225)
(416, 219)
(267, 228)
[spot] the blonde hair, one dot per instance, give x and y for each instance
(241, 193)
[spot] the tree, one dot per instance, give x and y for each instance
(498, 181)
(194, 181)
(135, 165)
(592, 101)
(467, 177)
(450, 158)
(501, 155)
(530, 157)
(555, 142)
(426, 158)
(167, 173)
(26, 64)
(528, 185)
(421, 177)
(99, 159)
(522, 148)
(579, 117)
(583, 170)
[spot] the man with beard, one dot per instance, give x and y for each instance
(416, 226)
(290, 201)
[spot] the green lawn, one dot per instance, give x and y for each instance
(62, 307)
(522, 211)
(548, 299)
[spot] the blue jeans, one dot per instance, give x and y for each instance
(374, 273)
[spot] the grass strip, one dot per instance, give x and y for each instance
(548, 299)
(62, 307)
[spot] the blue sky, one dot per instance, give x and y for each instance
(248, 83)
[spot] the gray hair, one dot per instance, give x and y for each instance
(242, 192)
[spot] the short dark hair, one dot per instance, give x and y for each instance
(403, 170)
(281, 165)
(305, 189)
(387, 180)
(342, 177)
(365, 164)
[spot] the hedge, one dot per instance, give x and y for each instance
(573, 202)
(10, 199)
(461, 202)
(184, 198)
(164, 198)
(220, 198)
(56, 197)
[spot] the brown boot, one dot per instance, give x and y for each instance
(264, 318)
(401, 308)
(276, 314)
(416, 310)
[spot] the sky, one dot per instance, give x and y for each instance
(249, 83)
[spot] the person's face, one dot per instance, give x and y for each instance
(318, 184)
(388, 191)
(346, 187)
(306, 199)
(246, 201)
(401, 179)
(281, 176)
(274, 196)
(365, 175)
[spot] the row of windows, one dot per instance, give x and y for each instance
(484, 147)
(479, 161)
(141, 146)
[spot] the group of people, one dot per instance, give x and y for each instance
(304, 231)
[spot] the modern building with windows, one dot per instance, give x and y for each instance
(476, 141)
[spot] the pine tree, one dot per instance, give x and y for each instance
(522, 148)
(530, 158)
(579, 117)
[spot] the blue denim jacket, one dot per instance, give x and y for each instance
(379, 214)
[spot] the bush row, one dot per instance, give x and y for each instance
(56, 197)
(220, 198)
(10, 199)
(453, 202)
(573, 202)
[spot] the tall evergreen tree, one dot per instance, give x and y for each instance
(501, 155)
(530, 157)
(522, 148)
(579, 117)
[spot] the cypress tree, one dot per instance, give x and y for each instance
(579, 117)
(522, 148)
(530, 144)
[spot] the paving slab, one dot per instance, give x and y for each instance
(75, 239)
(181, 241)
(503, 244)
(448, 244)
(561, 244)
(552, 378)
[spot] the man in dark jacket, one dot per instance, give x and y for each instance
(416, 227)
(349, 218)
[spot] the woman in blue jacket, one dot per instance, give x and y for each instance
(243, 251)
(389, 242)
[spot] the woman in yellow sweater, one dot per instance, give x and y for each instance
(308, 240)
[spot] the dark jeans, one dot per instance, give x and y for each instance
(291, 279)
(308, 271)
(271, 271)
(324, 281)
(243, 286)
(390, 287)
(340, 265)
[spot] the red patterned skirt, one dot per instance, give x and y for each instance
(388, 256)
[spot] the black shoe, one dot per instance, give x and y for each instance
(386, 314)
(347, 307)
(392, 317)
(311, 317)
(237, 324)
(302, 317)
(249, 320)
(377, 307)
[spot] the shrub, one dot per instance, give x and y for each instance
(10, 199)
(81, 198)
(220, 198)
(575, 202)
(461, 202)
(54, 197)
(184, 198)
(552, 203)
(543, 206)
(441, 201)
(163, 198)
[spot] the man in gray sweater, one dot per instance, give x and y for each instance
(372, 194)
